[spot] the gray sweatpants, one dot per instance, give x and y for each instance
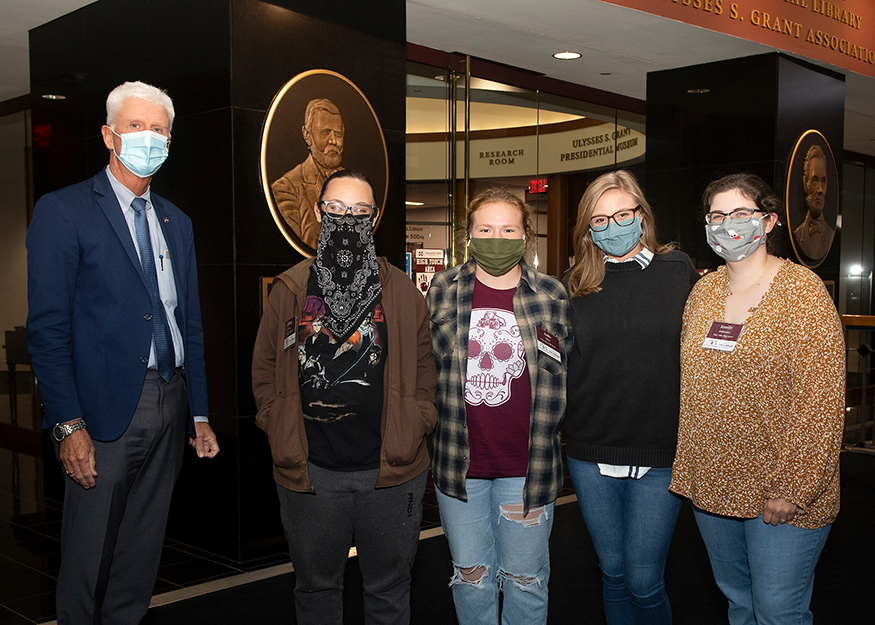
(320, 528)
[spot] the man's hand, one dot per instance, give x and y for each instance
(77, 458)
(778, 511)
(205, 444)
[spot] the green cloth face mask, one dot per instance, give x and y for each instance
(497, 256)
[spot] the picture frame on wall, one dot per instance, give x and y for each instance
(318, 122)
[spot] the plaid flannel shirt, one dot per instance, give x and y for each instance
(539, 302)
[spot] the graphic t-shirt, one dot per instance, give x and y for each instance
(341, 387)
(498, 394)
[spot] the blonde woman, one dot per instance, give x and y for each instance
(627, 299)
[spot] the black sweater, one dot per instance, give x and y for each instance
(624, 369)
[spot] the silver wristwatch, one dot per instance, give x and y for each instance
(63, 430)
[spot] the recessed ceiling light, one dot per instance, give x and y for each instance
(409, 203)
(698, 90)
(566, 56)
(54, 96)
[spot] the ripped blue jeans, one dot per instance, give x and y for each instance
(495, 549)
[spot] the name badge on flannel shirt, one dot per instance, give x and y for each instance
(549, 344)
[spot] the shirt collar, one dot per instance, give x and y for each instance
(643, 258)
(124, 195)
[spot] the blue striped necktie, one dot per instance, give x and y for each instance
(160, 330)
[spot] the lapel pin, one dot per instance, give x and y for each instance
(167, 221)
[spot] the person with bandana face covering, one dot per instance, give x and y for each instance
(344, 382)
(500, 333)
(627, 298)
(762, 410)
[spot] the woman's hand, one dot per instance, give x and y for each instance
(778, 511)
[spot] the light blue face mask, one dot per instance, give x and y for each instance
(617, 240)
(142, 152)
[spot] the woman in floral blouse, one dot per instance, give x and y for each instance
(762, 410)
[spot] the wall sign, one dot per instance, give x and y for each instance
(840, 32)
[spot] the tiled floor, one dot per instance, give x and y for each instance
(30, 520)
(30, 547)
(30, 525)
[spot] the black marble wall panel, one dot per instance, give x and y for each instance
(748, 120)
(222, 62)
(272, 43)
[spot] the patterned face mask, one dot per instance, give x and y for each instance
(347, 272)
(735, 241)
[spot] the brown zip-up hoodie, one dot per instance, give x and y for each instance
(408, 383)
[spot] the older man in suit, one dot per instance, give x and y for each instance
(116, 341)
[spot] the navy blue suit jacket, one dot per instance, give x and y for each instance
(87, 328)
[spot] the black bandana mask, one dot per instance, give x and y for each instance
(347, 272)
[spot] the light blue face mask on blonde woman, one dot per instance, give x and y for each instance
(142, 152)
(617, 240)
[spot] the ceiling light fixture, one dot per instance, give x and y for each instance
(409, 203)
(566, 56)
(54, 96)
(697, 91)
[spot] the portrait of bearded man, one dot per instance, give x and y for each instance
(297, 191)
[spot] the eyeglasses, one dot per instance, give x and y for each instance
(622, 217)
(333, 207)
(739, 216)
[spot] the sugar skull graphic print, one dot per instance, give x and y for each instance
(495, 357)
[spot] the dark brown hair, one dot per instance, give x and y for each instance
(754, 189)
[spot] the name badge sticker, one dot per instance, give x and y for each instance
(291, 330)
(548, 344)
(723, 336)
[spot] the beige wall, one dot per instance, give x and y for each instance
(14, 141)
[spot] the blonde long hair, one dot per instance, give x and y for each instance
(588, 267)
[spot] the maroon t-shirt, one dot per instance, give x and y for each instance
(498, 393)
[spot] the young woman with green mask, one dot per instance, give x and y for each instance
(500, 336)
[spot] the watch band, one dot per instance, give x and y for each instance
(62, 431)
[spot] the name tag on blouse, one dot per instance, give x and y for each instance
(723, 336)
(548, 344)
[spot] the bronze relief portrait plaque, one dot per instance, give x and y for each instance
(318, 123)
(812, 198)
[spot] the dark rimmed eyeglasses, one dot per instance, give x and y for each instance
(333, 207)
(739, 216)
(622, 217)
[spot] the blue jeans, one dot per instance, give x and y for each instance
(765, 571)
(495, 549)
(631, 523)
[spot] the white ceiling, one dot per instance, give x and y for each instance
(520, 33)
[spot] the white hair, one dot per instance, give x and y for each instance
(141, 90)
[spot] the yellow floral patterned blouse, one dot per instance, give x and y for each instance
(765, 420)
